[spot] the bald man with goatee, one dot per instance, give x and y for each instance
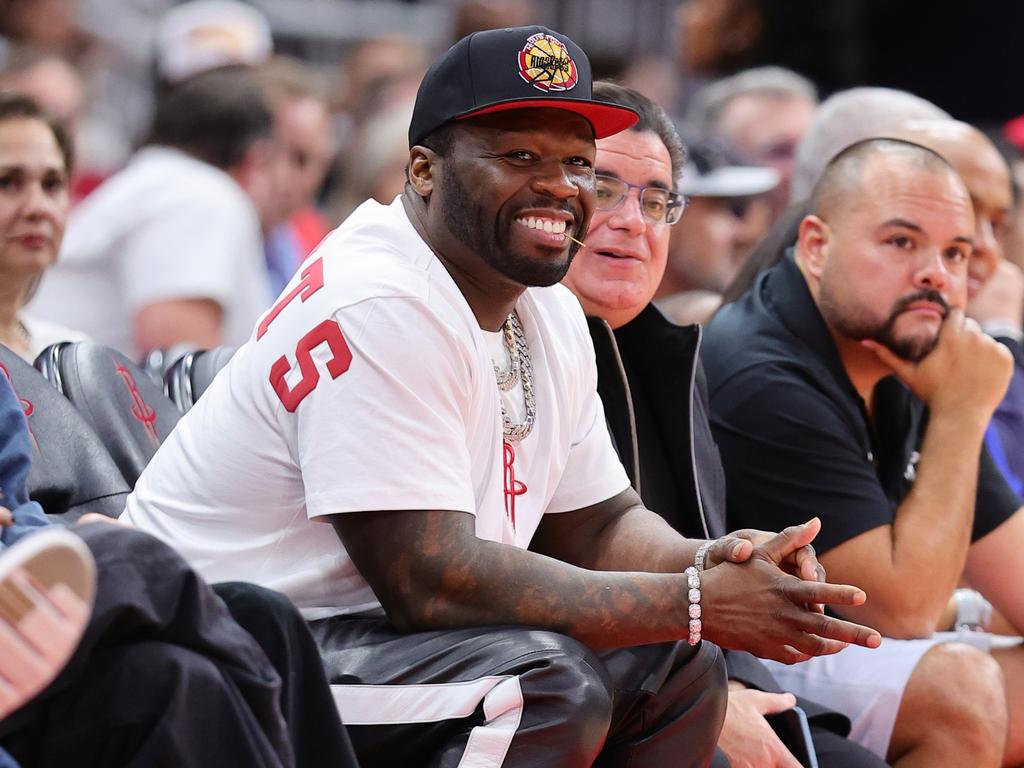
(995, 286)
(849, 381)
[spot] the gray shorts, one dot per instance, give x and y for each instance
(866, 685)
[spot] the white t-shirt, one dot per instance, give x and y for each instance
(42, 334)
(394, 407)
(166, 227)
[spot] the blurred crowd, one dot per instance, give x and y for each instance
(742, 78)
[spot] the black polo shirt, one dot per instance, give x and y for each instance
(793, 432)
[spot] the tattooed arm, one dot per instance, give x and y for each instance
(620, 534)
(430, 571)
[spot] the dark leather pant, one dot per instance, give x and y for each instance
(515, 696)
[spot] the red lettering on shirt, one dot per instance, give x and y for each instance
(328, 332)
(513, 487)
(312, 281)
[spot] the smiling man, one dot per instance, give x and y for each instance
(808, 416)
(411, 447)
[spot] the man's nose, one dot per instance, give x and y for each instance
(933, 271)
(629, 215)
(557, 180)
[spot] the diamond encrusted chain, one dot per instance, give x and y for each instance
(521, 369)
(510, 376)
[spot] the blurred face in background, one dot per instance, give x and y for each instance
(712, 241)
(1014, 247)
(376, 72)
(305, 139)
(299, 154)
(987, 178)
(766, 129)
(53, 84)
(33, 202)
(48, 24)
(715, 33)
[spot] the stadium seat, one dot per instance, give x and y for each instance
(189, 377)
(130, 414)
(72, 472)
(157, 362)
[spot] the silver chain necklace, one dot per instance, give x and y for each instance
(520, 369)
(509, 377)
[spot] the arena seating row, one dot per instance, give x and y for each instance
(96, 419)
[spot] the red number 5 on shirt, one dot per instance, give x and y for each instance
(328, 332)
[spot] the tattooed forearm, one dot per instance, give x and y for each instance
(441, 575)
(600, 608)
(617, 535)
(430, 571)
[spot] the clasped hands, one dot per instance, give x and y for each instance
(765, 593)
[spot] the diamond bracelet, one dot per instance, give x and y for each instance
(702, 552)
(693, 581)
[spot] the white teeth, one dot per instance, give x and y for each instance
(552, 226)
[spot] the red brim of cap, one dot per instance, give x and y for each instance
(1013, 130)
(606, 119)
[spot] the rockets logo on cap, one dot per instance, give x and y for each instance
(476, 76)
(545, 64)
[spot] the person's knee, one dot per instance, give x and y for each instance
(572, 685)
(170, 673)
(163, 675)
(706, 695)
(128, 697)
(268, 616)
(955, 692)
(716, 679)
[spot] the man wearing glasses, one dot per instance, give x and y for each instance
(655, 399)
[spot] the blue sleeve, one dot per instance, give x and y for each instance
(1005, 435)
(15, 463)
(998, 453)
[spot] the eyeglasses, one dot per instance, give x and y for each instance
(659, 206)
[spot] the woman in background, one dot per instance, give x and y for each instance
(35, 165)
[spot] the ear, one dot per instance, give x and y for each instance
(813, 242)
(423, 163)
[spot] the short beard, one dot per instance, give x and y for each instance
(467, 221)
(912, 350)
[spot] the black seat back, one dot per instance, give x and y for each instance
(131, 415)
(157, 361)
(193, 373)
(72, 472)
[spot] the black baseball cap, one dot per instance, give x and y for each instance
(512, 68)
